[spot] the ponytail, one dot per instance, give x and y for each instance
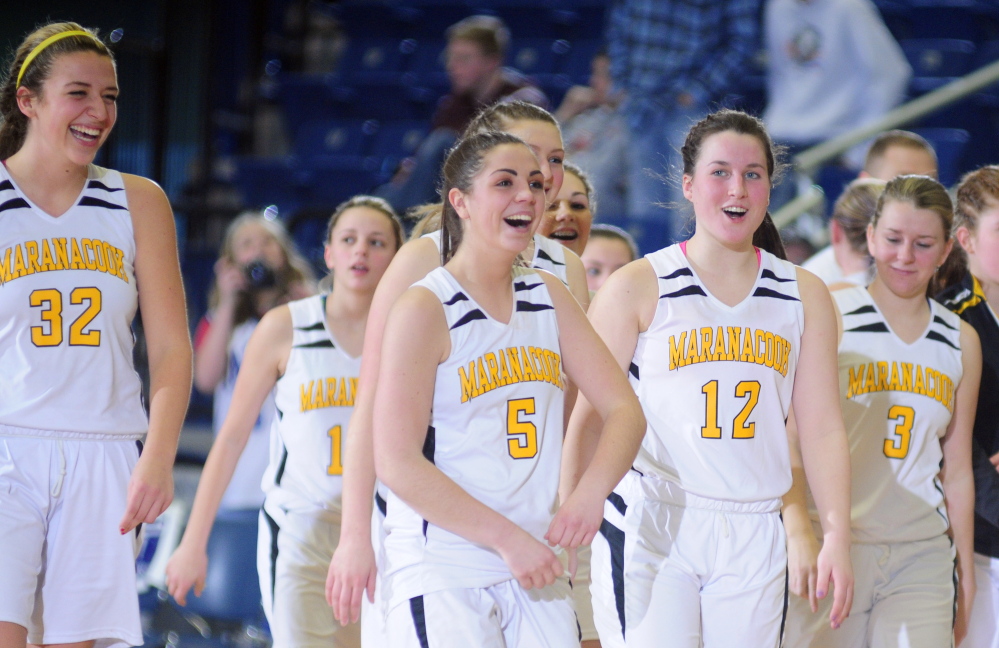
(767, 237)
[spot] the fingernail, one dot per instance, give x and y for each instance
(122, 529)
(820, 594)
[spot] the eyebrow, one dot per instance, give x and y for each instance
(510, 171)
(724, 163)
(87, 85)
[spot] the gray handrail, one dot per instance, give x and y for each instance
(808, 161)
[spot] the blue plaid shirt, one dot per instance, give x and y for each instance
(660, 49)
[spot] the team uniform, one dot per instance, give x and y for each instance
(300, 519)
(71, 415)
(897, 402)
(549, 255)
(968, 300)
(692, 547)
(496, 430)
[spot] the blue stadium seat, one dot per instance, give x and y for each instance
(427, 64)
(373, 60)
(576, 63)
(949, 143)
(307, 97)
(539, 58)
(937, 61)
(943, 19)
(400, 138)
(267, 181)
(334, 137)
(329, 180)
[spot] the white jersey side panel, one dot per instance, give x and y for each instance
(67, 298)
(314, 400)
(897, 402)
(496, 430)
(715, 382)
(549, 255)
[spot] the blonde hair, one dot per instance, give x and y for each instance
(855, 208)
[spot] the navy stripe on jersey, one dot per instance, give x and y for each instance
(419, 620)
(939, 320)
(429, 448)
(14, 203)
(783, 614)
(769, 274)
(280, 413)
(6, 185)
(685, 292)
(470, 316)
(318, 344)
(617, 502)
(90, 201)
(682, 272)
(280, 471)
(318, 326)
(767, 292)
(863, 310)
(544, 255)
(274, 528)
(457, 298)
(615, 538)
(633, 370)
(876, 327)
(522, 285)
(97, 184)
(381, 504)
(933, 335)
(532, 308)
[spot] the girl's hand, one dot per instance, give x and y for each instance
(229, 278)
(802, 566)
(576, 522)
(187, 567)
(533, 564)
(351, 572)
(150, 491)
(835, 570)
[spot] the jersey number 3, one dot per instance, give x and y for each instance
(897, 444)
(741, 429)
(49, 334)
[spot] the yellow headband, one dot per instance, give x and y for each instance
(45, 43)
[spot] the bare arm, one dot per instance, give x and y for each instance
(802, 545)
(264, 361)
(618, 315)
(211, 355)
(403, 400)
(822, 436)
(958, 478)
(352, 570)
(592, 367)
(164, 318)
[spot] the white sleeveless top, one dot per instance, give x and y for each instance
(496, 430)
(715, 382)
(314, 400)
(549, 255)
(897, 401)
(67, 300)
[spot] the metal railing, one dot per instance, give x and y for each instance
(807, 162)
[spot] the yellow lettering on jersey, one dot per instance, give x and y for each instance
(855, 384)
(76, 259)
(327, 392)
(691, 356)
(871, 384)
(907, 376)
(893, 382)
(733, 342)
(509, 366)
(718, 352)
(18, 271)
(919, 386)
(761, 346)
(305, 396)
(675, 350)
(769, 358)
(494, 379)
(747, 354)
(47, 263)
(88, 254)
(5, 269)
(896, 376)
(99, 257)
(706, 333)
(31, 248)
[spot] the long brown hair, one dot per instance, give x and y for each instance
(14, 126)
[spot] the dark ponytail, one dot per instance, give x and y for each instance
(767, 237)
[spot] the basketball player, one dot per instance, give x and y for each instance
(81, 247)
(473, 496)
(310, 349)
(712, 332)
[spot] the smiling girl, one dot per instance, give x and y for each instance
(81, 248)
(719, 338)
(308, 352)
(471, 456)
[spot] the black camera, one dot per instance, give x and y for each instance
(259, 275)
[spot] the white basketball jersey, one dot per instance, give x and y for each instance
(715, 381)
(495, 429)
(67, 300)
(897, 402)
(549, 255)
(314, 400)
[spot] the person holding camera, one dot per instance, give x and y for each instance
(258, 268)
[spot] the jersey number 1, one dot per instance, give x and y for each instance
(335, 434)
(740, 428)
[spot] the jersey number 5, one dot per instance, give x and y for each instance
(50, 332)
(897, 445)
(741, 429)
(523, 435)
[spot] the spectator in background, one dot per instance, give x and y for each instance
(596, 136)
(892, 154)
(675, 60)
(608, 250)
(476, 47)
(832, 67)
